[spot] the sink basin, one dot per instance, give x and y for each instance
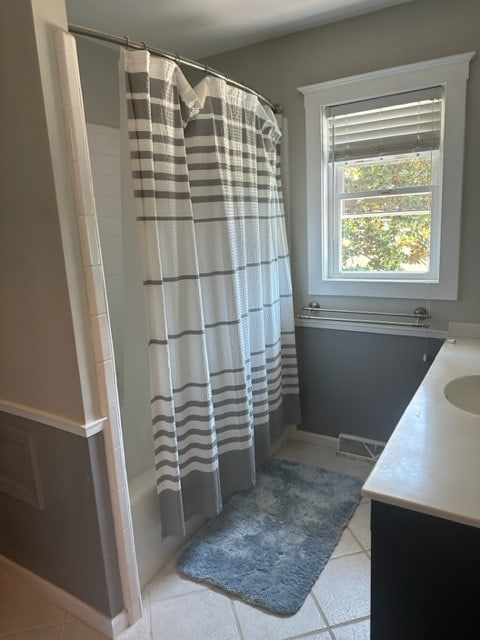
(464, 393)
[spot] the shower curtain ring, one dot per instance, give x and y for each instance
(206, 70)
(177, 59)
(127, 41)
(144, 45)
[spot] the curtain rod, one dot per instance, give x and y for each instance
(126, 41)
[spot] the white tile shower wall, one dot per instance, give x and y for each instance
(104, 144)
(100, 327)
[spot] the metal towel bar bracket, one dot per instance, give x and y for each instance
(420, 314)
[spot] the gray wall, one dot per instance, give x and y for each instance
(46, 363)
(358, 383)
(70, 541)
(404, 34)
(38, 364)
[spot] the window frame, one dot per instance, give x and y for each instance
(451, 73)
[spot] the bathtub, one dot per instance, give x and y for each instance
(153, 553)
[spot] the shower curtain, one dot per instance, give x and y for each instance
(223, 371)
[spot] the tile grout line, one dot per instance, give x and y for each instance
(150, 623)
(13, 634)
(237, 619)
(149, 612)
(343, 625)
(317, 604)
(339, 625)
(308, 634)
(186, 593)
(362, 546)
(346, 555)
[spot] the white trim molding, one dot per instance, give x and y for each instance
(52, 420)
(22, 482)
(100, 328)
(451, 73)
(425, 65)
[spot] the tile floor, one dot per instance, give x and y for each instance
(177, 609)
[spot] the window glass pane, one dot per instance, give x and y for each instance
(414, 203)
(388, 174)
(386, 243)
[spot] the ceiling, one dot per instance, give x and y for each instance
(199, 28)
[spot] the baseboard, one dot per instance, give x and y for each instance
(294, 433)
(111, 627)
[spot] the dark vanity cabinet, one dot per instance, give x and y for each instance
(425, 576)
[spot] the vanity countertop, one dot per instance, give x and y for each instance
(431, 463)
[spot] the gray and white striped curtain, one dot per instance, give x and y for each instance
(223, 367)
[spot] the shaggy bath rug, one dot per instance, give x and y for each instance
(269, 544)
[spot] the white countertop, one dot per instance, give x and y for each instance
(431, 463)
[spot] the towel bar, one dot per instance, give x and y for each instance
(420, 314)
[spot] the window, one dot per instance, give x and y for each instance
(384, 176)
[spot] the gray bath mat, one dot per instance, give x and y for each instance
(269, 544)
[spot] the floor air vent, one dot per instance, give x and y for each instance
(359, 448)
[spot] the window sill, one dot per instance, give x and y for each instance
(445, 290)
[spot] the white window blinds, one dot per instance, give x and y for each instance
(389, 125)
